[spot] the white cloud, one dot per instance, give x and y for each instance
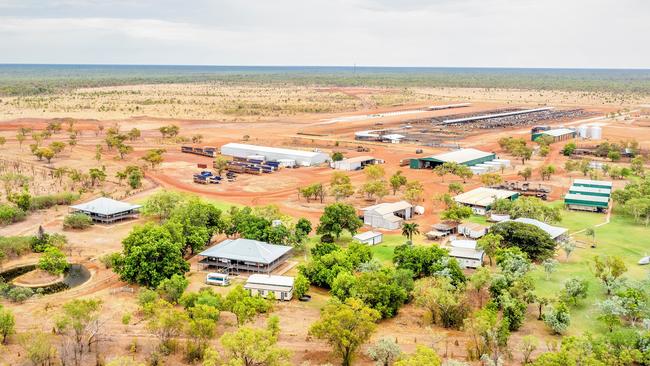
(518, 33)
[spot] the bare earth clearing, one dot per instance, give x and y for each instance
(223, 113)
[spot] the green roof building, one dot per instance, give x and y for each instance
(467, 157)
(590, 191)
(593, 183)
(585, 202)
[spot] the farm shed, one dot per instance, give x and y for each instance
(555, 232)
(480, 199)
(468, 157)
(592, 183)
(590, 191)
(301, 157)
(472, 230)
(245, 255)
(107, 210)
(467, 257)
(387, 215)
(558, 134)
(393, 138)
(369, 237)
(263, 285)
(583, 202)
(355, 163)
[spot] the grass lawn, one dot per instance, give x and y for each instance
(621, 237)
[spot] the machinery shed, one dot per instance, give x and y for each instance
(480, 199)
(593, 183)
(585, 202)
(301, 157)
(590, 191)
(355, 163)
(468, 157)
(558, 134)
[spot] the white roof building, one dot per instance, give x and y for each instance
(107, 210)
(245, 255)
(280, 286)
(369, 237)
(387, 215)
(480, 199)
(555, 232)
(354, 163)
(305, 158)
(467, 257)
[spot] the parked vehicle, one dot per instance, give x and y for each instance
(217, 279)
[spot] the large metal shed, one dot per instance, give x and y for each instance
(301, 157)
(467, 157)
(245, 255)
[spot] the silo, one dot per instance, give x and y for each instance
(583, 131)
(595, 132)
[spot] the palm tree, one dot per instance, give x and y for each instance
(410, 229)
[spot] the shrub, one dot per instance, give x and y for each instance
(108, 260)
(47, 201)
(77, 221)
(10, 214)
(53, 261)
(301, 285)
(19, 294)
(327, 238)
(15, 246)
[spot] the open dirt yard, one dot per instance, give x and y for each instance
(297, 117)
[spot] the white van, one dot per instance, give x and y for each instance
(217, 279)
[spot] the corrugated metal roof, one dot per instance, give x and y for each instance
(553, 231)
(246, 250)
(558, 132)
(367, 235)
(603, 183)
(268, 149)
(387, 208)
(270, 280)
(588, 190)
(461, 156)
(467, 253)
(495, 115)
(483, 196)
(357, 159)
(105, 206)
(586, 197)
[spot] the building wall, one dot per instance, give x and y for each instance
(279, 295)
(374, 220)
(469, 263)
(274, 156)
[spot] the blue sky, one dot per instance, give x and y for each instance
(493, 33)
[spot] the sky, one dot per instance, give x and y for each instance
(455, 33)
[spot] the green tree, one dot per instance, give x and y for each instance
(413, 192)
(171, 289)
(149, 256)
(384, 352)
(547, 171)
(53, 261)
(345, 326)
(397, 181)
(575, 289)
(134, 134)
(167, 323)
(300, 285)
(550, 266)
(154, 157)
(446, 305)
(39, 347)
(79, 323)
(245, 306)
(374, 172)
(422, 356)
(557, 318)
(491, 179)
(526, 173)
(7, 324)
(456, 213)
(220, 164)
(341, 186)
(375, 189)
(201, 327)
(254, 347)
(533, 241)
(337, 156)
(338, 217)
(534, 208)
(614, 155)
(455, 188)
(608, 269)
(162, 203)
(490, 243)
(568, 149)
(96, 175)
(479, 280)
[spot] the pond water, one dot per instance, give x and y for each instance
(76, 275)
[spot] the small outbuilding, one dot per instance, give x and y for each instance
(482, 198)
(107, 210)
(369, 237)
(245, 255)
(472, 230)
(583, 202)
(467, 257)
(557, 134)
(263, 285)
(356, 163)
(388, 216)
(301, 157)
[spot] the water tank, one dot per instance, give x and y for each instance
(583, 131)
(595, 132)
